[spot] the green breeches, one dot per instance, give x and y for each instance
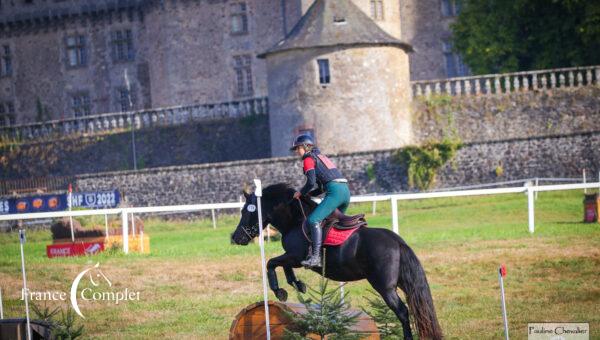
(337, 196)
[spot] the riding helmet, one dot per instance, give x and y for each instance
(302, 140)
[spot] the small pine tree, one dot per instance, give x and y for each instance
(66, 328)
(327, 314)
(387, 322)
(62, 329)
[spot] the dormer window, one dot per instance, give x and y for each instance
(339, 20)
(377, 9)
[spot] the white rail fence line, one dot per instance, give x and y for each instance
(529, 189)
(139, 119)
(509, 82)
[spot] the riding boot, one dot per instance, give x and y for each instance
(314, 259)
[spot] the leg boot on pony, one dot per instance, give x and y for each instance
(314, 259)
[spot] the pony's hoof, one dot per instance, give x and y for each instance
(300, 286)
(281, 295)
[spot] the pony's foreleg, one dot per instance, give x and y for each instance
(273, 263)
(293, 281)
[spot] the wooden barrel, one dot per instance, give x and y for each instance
(250, 322)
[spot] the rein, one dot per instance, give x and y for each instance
(303, 222)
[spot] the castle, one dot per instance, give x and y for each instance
(69, 58)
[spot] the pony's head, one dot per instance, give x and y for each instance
(248, 228)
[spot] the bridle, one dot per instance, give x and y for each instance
(249, 230)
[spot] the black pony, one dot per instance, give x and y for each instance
(378, 255)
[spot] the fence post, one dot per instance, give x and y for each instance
(132, 225)
(261, 241)
(1, 307)
(537, 181)
(214, 219)
(374, 208)
(530, 204)
(25, 290)
(106, 226)
(125, 231)
(71, 217)
(584, 180)
(395, 214)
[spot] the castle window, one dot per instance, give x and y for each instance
(239, 18)
(122, 46)
(76, 51)
(6, 62)
(455, 67)
(324, 75)
(126, 99)
(7, 114)
(81, 105)
(243, 72)
(451, 8)
(377, 9)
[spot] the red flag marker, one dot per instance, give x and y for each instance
(501, 275)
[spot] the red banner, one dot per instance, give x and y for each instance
(74, 249)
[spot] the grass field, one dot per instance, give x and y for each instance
(194, 282)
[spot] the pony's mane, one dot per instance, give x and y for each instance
(278, 190)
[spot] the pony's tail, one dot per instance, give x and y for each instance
(413, 282)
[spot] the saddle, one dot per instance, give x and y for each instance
(341, 221)
(338, 227)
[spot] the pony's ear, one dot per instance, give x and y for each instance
(246, 190)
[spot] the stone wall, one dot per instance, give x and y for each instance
(507, 116)
(206, 142)
(557, 156)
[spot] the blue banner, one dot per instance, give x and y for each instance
(59, 202)
(32, 204)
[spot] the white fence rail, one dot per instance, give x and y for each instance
(529, 189)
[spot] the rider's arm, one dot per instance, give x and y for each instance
(311, 176)
(316, 192)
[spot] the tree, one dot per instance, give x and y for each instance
(327, 314)
(387, 322)
(495, 36)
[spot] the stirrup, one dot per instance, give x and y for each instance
(312, 262)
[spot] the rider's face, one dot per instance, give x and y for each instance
(300, 151)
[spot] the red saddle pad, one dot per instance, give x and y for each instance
(336, 237)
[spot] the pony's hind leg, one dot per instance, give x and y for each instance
(393, 301)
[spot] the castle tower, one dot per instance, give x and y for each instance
(340, 77)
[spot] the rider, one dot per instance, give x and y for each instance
(321, 176)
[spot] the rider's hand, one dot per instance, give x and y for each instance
(297, 195)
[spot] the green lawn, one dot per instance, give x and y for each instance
(194, 282)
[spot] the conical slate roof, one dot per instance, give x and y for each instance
(330, 23)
